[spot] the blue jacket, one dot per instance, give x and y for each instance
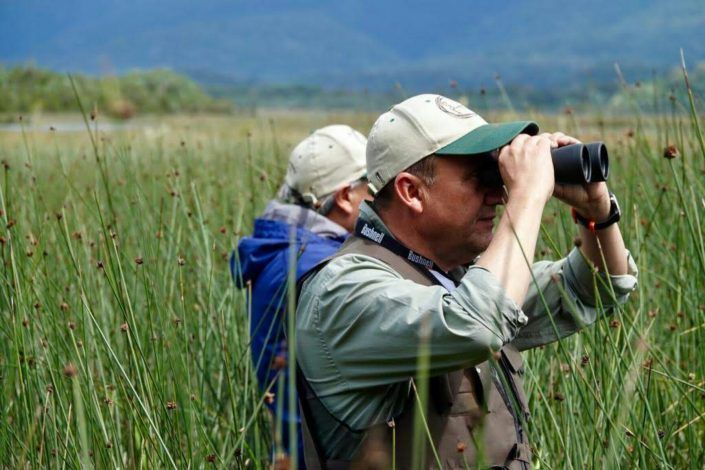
(262, 259)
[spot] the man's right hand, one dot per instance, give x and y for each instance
(527, 168)
(527, 171)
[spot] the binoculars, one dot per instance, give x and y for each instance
(572, 164)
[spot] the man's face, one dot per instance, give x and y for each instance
(358, 193)
(459, 212)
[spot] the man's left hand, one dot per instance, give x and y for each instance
(591, 200)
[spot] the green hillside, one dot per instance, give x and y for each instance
(26, 89)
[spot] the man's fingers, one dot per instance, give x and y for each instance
(541, 140)
(559, 139)
(559, 190)
(519, 141)
(553, 137)
(524, 142)
(562, 139)
(567, 140)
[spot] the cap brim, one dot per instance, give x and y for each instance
(488, 138)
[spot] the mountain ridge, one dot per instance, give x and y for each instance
(357, 44)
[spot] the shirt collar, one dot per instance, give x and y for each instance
(370, 216)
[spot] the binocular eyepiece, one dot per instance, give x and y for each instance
(580, 163)
(572, 164)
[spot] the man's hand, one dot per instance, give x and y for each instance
(527, 172)
(526, 167)
(591, 200)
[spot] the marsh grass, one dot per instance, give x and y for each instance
(123, 341)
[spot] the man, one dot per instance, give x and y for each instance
(412, 279)
(324, 185)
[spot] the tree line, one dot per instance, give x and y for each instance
(27, 89)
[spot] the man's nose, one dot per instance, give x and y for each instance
(494, 196)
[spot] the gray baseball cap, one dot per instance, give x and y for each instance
(326, 161)
(428, 124)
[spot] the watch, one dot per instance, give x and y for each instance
(612, 218)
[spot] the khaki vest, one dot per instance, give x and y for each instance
(476, 416)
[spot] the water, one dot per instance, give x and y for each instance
(72, 126)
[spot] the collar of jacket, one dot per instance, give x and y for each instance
(303, 218)
(368, 214)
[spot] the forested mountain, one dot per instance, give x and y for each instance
(357, 43)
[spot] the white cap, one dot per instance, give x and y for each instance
(325, 161)
(427, 124)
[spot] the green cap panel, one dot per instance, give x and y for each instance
(488, 137)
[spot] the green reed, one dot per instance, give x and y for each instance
(125, 343)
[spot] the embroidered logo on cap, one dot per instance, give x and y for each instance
(453, 108)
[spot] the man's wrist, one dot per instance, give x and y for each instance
(598, 212)
(601, 221)
(526, 198)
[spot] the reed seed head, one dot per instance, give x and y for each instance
(70, 370)
(671, 152)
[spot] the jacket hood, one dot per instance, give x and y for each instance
(270, 239)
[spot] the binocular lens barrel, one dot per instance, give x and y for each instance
(572, 164)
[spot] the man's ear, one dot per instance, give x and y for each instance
(411, 191)
(343, 200)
